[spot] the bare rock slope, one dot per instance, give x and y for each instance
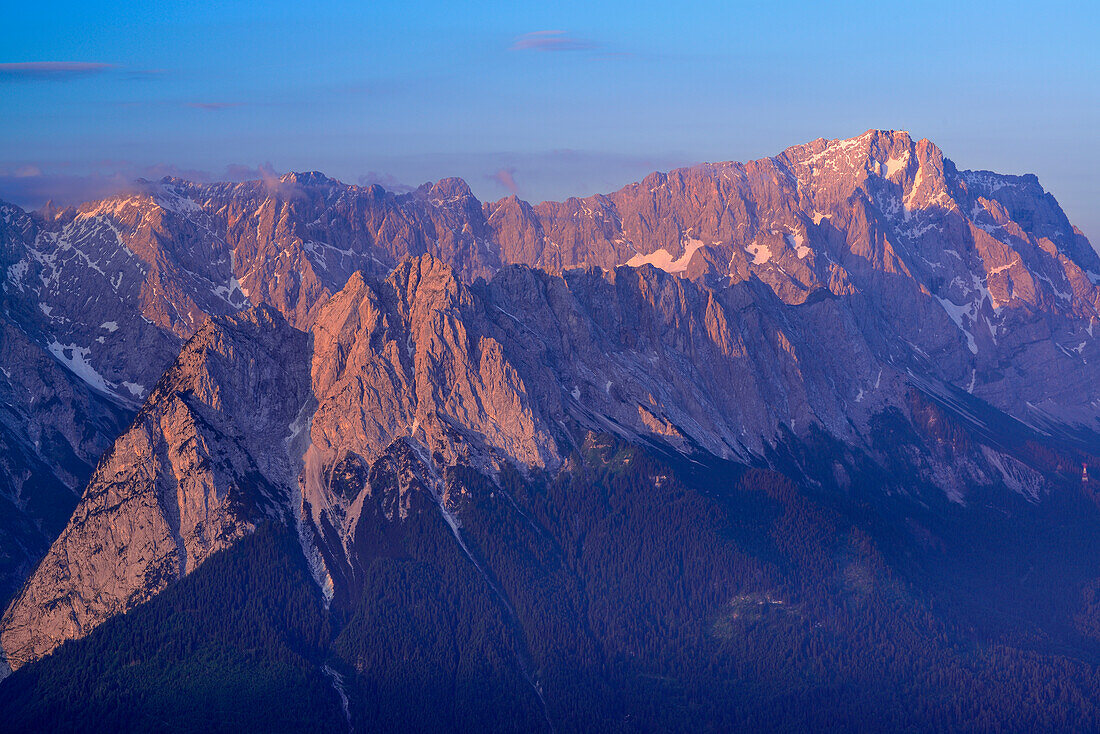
(199, 466)
(727, 310)
(258, 419)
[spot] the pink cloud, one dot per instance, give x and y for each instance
(30, 187)
(242, 172)
(551, 41)
(506, 177)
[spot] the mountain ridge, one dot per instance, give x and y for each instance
(295, 265)
(973, 278)
(484, 377)
(387, 376)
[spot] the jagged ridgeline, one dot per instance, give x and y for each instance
(797, 442)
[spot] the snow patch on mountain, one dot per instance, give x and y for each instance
(76, 359)
(893, 165)
(956, 312)
(760, 253)
(663, 258)
(17, 272)
(169, 199)
(985, 180)
(797, 243)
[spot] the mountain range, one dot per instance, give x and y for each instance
(794, 442)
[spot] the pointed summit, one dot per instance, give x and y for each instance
(308, 178)
(448, 189)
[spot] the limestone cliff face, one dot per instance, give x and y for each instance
(414, 356)
(202, 462)
(411, 360)
(961, 273)
(518, 369)
(53, 425)
(53, 429)
(976, 276)
(344, 348)
(124, 281)
(403, 380)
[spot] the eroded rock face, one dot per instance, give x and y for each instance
(968, 271)
(976, 276)
(53, 429)
(401, 380)
(517, 370)
(98, 300)
(414, 354)
(204, 460)
(53, 425)
(124, 281)
(722, 309)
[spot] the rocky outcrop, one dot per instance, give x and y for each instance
(204, 460)
(53, 429)
(518, 369)
(727, 310)
(423, 372)
(976, 276)
(53, 425)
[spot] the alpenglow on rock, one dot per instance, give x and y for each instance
(330, 331)
(958, 272)
(257, 419)
(193, 472)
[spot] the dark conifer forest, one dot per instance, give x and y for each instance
(637, 591)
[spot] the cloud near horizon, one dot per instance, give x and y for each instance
(551, 41)
(548, 175)
(506, 177)
(386, 181)
(29, 187)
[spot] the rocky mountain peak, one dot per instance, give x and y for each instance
(427, 282)
(434, 396)
(447, 190)
(308, 178)
(916, 166)
(869, 216)
(201, 464)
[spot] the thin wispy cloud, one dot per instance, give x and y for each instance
(551, 41)
(145, 73)
(213, 105)
(245, 172)
(52, 69)
(386, 181)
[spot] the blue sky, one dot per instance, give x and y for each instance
(547, 99)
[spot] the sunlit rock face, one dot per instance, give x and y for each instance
(201, 464)
(405, 378)
(333, 352)
(977, 275)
